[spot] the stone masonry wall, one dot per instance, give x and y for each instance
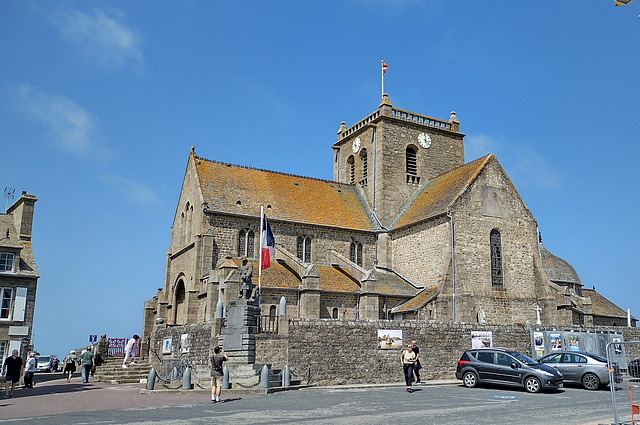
(345, 352)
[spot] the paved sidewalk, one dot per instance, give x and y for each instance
(53, 394)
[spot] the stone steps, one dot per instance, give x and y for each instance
(112, 371)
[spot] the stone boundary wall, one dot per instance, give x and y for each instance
(198, 344)
(345, 352)
(342, 352)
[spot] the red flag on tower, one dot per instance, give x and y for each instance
(384, 67)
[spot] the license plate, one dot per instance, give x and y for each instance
(560, 384)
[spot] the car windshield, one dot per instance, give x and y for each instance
(43, 359)
(524, 359)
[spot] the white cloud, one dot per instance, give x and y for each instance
(102, 36)
(135, 192)
(71, 127)
(522, 162)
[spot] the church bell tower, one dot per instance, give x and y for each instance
(391, 153)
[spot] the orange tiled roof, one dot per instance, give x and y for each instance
(440, 193)
(602, 306)
(418, 301)
(241, 190)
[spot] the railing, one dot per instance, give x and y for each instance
(116, 347)
(357, 126)
(402, 115)
(268, 324)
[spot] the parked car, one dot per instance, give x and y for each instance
(589, 370)
(505, 366)
(46, 363)
(634, 368)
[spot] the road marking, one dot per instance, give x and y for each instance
(505, 397)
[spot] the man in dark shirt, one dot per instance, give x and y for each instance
(417, 366)
(12, 371)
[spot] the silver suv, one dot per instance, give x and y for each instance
(505, 366)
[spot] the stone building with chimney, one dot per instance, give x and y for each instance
(406, 230)
(18, 277)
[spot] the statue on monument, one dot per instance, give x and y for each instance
(245, 287)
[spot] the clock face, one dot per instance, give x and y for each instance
(424, 140)
(356, 145)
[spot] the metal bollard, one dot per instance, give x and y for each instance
(264, 377)
(225, 378)
(151, 380)
(186, 379)
(286, 377)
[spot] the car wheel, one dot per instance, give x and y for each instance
(532, 385)
(590, 381)
(469, 379)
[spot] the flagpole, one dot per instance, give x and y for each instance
(382, 71)
(260, 261)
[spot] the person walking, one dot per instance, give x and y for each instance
(70, 364)
(12, 370)
(417, 365)
(30, 369)
(127, 350)
(407, 359)
(217, 373)
(87, 360)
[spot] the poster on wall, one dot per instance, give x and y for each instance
(167, 345)
(389, 338)
(538, 341)
(481, 339)
(617, 348)
(185, 342)
(574, 343)
(556, 342)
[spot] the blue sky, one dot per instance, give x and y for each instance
(100, 103)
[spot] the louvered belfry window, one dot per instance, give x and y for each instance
(496, 258)
(412, 161)
(352, 169)
(363, 158)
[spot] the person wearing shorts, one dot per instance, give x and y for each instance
(217, 373)
(12, 370)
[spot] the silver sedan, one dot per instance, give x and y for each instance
(589, 370)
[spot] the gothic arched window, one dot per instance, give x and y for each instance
(355, 253)
(245, 243)
(496, 258)
(304, 248)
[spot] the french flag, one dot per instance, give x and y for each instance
(267, 244)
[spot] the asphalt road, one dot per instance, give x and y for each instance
(57, 402)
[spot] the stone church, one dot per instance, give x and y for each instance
(406, 230)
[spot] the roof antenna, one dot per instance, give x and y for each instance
(8, 193)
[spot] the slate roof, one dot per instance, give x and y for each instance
(27, 261)
(242, 190)
(332, 279)
(602, 306)
(439, 193)
(418, 301)
(557, 269)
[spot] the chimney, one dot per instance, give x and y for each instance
(22, 211)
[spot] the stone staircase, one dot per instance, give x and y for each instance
(111, 371)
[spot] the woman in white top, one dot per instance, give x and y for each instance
(29, 370)
(408, 359)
